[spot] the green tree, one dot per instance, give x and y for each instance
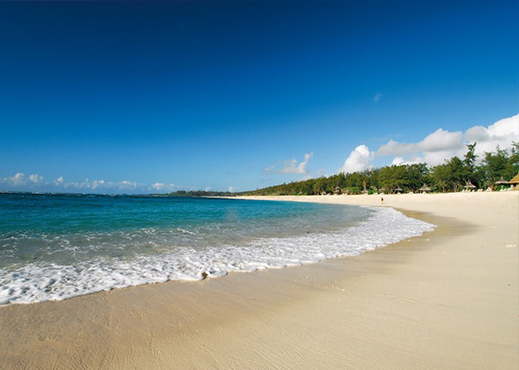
(495, 165)
(441, 177)
(469, 163)
(513, 162)
(416, 175)
(455, 173)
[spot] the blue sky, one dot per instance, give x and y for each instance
(159, 96)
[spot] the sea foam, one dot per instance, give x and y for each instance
(38, 282)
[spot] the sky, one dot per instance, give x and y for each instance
(140, 97)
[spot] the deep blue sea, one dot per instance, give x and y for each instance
(54, 247)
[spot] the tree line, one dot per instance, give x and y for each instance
(452, 176)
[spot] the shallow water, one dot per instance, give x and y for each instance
(55, 246)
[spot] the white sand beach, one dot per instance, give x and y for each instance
(448, 299)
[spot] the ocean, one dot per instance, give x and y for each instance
(54, 247)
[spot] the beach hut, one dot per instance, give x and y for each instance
(501, 182)
(398, 190)
(514, 181)
(425, 189)
(469, 186)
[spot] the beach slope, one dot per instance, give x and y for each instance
(445, 300)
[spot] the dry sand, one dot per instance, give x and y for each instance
(445, 300)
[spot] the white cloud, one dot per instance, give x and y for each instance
(435, 158)
(435, 148)
(397, 161)
(158, 186)
(85, 184)
(395, 148)
(291, 167)
(232, 189)
(358, 160)
(17, 180)
(21, 182)
(501, 133)
(127, 185)
(442, 140)
(377, 97)
(36, 179)
(71, 185)
(505, 127)
(98, 184)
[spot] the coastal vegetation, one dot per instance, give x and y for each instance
(456, 174)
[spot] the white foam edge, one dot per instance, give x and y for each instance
(37, 283)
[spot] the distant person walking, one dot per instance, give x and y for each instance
(382, 200)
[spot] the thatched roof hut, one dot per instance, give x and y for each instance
(502, 181)
(515, 180)
(425, 189)
(470, 186)
(398, 190)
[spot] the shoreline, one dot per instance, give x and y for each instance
(446, 299)
(336, 231)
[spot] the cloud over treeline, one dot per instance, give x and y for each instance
(358, 160)
(438, 146)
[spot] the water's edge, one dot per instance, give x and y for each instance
(34, 283)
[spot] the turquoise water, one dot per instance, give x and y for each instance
(60, 246)
(78, 228)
